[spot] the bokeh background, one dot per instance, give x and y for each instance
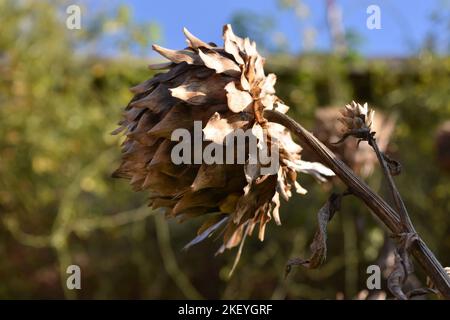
(62, 92)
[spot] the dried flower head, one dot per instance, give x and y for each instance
(360, 159)
(357, 117)
(357, 120)
(226, 89)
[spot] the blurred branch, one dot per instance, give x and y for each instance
(379, 207)
(66, 212)
(64, 260)
(351, 260)
(65, 222)
(280, 290)
(170, 262)
(35, 241)
(113, 221)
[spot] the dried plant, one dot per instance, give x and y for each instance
(360, 158)
(226, 89)
(397, 221)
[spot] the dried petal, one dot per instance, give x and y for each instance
(221, 64)
(178, 56)
(218, 128)
(193, 41)
(201, 91)
(237, 100)
(209, 176)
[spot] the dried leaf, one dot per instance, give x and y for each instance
(177, 70)
(142, 137)
(205, 234)
(238, 254)
(397, 278)
(219, 63)
(160, 182)
(160, 201)
(209, 176)
(395, 168)
(268, 84)
(195, 42)
(420, 292)
(232, 48)
(183, 116)
(232, 237)
(202, 198)
(268, 101)
(257, 197)
(159, 100)
(280, 107)
(259, 69)
(238, 42)
(276, 208)
(160, 66)
(178, 56)
(264, 217)
(190, 213)
(282, 136)
(316, 169)
(228, 205)
(282, 187)
(402, 267)
(299, 189)
(250, 47)
(319, 244)
(200, 91)
(162, 161)
(219, 127)
(237, 100)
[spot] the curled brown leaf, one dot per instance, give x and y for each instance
(403, 266)
(395, 168)
(319, 245)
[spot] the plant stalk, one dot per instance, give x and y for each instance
(398, 201)
(378, 206)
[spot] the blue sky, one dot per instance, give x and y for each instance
(404, 23)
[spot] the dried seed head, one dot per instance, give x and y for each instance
(225, 89)
(357, 117)
(360, 158)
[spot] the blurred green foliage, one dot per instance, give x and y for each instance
(59, 206)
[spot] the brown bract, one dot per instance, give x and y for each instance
(360, 158)
(226, 89)
(357, 117)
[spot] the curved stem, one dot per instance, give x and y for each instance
(379, 207)
(399, 204)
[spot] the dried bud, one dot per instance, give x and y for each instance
(356, 117)
(224, 89)
(357, 121)
(360, 159)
